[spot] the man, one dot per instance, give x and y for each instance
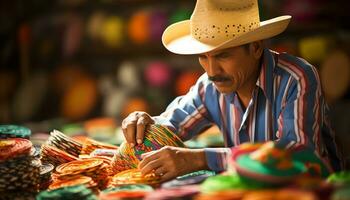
(251, 93)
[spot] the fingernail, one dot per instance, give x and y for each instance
(139, 141)
(132, 144)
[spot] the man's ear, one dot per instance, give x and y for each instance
(256, 48)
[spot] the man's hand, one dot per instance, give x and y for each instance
(170, 162)
(134, 127)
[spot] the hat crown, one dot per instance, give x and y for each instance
(216, 21)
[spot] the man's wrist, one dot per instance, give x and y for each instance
(199, 159)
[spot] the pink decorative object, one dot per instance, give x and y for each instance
(158, 74)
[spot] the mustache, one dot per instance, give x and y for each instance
(218, 78)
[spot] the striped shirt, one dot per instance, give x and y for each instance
(287, 106)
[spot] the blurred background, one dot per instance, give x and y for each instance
(82, 66)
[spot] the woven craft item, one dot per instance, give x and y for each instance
(94, 168)
(156, 137)
(133, 176)
(89, 145)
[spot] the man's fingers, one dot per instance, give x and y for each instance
(134, 127)
(140, 132)
(150, 156)
(151, 166)
(125, 129)
(160, 171)
(130, 134)
(129, 128)
(142, 122)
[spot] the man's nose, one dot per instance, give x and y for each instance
(213, 67)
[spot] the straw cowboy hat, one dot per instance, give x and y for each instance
(220, 24)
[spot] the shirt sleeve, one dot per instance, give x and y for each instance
(187, 115)
(217, 158)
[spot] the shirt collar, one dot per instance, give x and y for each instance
(230, 96)
(265, 80)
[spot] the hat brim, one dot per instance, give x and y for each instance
(177, 37)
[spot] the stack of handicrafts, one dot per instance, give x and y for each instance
(64, 143)
(60, 149)
(19, 168)
(92, 172)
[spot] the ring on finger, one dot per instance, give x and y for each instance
(159, 172)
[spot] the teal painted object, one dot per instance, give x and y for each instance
(256, 166)
(133, 187)
(314, 165)
(197, 173)
(14, 131)
(68, 193)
